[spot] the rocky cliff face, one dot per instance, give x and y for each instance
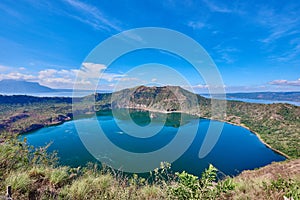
(166, 98)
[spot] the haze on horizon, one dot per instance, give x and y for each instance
(256, 46)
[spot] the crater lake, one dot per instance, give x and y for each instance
(237, 148)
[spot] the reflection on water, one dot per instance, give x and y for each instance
(144, 117)
(236, 150)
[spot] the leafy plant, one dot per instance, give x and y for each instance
(208, 177)
(188, 186)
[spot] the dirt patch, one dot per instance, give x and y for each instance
(273, 171)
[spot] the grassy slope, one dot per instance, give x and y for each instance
(270, 182)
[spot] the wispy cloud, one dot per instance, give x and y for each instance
(285, 82)
(290, 54)
(282, 27)
(214, 7)
(225, 53)
(92, 16)
(11, 12)
(196, 25)
(4, 68)
(169, 54)
(279, 24)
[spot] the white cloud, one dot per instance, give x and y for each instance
(200, 86)
(57, 81)
(90, 76)
(17, 76)
(205, 88)
(91, 70)
(56, 78)
(46, 73)
(285, 82)
(127, 79)
(96, 71)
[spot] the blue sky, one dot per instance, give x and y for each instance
(255, 44)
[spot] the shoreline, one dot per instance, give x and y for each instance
(168, 112)
(259, 137)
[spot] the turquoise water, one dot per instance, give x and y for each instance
(236, 150)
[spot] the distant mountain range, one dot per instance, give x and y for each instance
(9, 86)
(278, 96)
(272, 96)
(20, 86)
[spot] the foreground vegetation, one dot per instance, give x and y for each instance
(32, 173)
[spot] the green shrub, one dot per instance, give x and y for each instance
(191, 187)
(152, 192)
(58, 176)
(208, 177)
(19, 181)
(88, 186)
(13, 156)
(137, 181)
(225, 185)
(79, 189)
(37, 172)
(188, 186)
(290, 187)
(102, 183)
(40, 156)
